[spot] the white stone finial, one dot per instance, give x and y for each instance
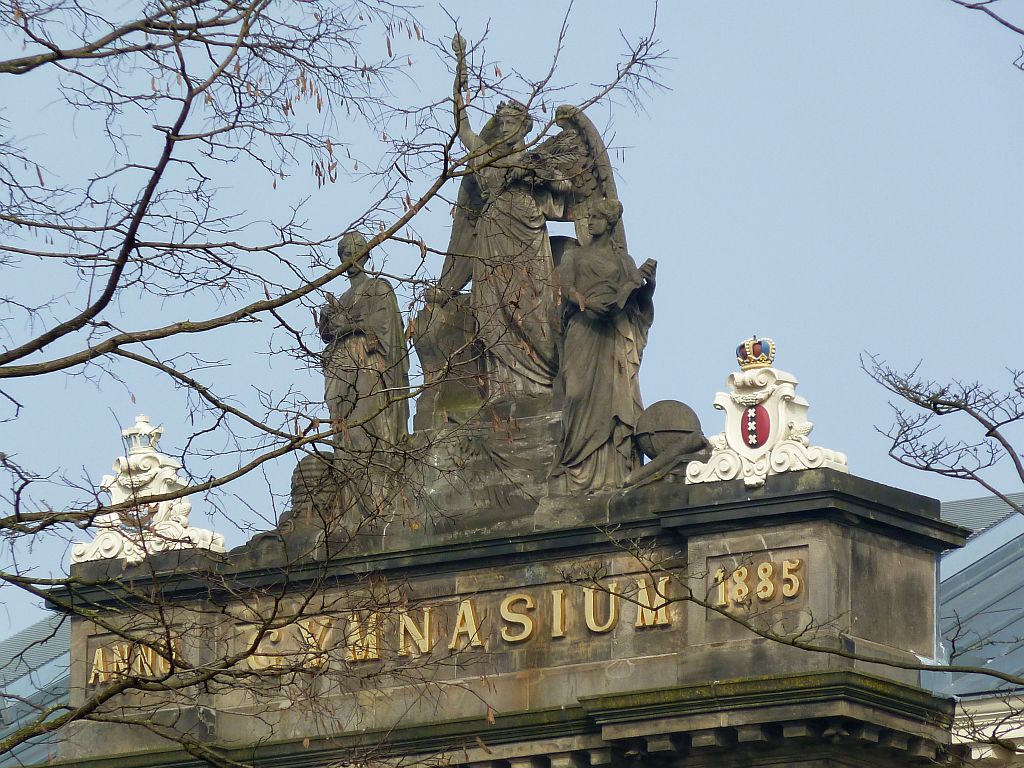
(144, 528)
(142, 438)
(766, 425)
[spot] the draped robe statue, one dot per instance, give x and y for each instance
(365, 362)
(500, 239)
(608, 310)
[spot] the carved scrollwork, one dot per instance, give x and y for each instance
(766, 432)
(789, 456)
(145, 528)
(723, 465)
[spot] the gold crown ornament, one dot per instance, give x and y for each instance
(755, 353)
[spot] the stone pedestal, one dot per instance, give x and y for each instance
(451, 357)
(684, 625)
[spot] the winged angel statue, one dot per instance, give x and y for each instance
(499, 235)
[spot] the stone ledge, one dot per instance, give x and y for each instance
(756, 693)
(815, 494)
(893, 724)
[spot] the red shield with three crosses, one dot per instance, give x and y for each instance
(755, 426)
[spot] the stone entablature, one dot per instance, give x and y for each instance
(550, 619)
(809, 721)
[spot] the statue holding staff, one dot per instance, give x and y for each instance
(500, 242)
(499, 237)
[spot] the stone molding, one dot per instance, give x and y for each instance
(772, 721)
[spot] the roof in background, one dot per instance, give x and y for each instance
(34, 646)
(981, 604)
(980, 513)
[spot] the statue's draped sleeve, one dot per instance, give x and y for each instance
(383, 321)
(458, 262)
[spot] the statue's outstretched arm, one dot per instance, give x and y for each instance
(471, 141)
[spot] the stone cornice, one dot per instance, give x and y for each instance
(599, 732)
(816, 494)
(750, 693)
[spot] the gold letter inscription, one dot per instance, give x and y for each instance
(734, 589)
(100, 671)
(260, 659)
(790, 581)
(721, 589)
(421, 637)
(521, 619)
(363, 637)
(466, 623)
(765, 580)
(557, 613)
(122, 660)
(315, 632)
(147, 662)
(652, 610)
(590, 608)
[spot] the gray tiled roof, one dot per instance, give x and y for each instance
(980, 513)
(34, 646)
(981, 615)
(25, 652)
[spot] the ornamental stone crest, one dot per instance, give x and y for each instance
(146, 528)
(766, 425)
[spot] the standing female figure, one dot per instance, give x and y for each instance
(513, 297)
(608, 309)
(365, 362)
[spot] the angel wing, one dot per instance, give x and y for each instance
(578, 157)
(574, 161)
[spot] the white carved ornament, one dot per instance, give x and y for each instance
(146, 528)
(766, 431)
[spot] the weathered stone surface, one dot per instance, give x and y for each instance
(650, 681)
(365, 361)
(451, 356)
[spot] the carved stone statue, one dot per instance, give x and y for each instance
(450, 357)
(365, 362)
(608, 310)
(669, 434)
(500, 239)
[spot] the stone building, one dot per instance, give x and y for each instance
(711, 711)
